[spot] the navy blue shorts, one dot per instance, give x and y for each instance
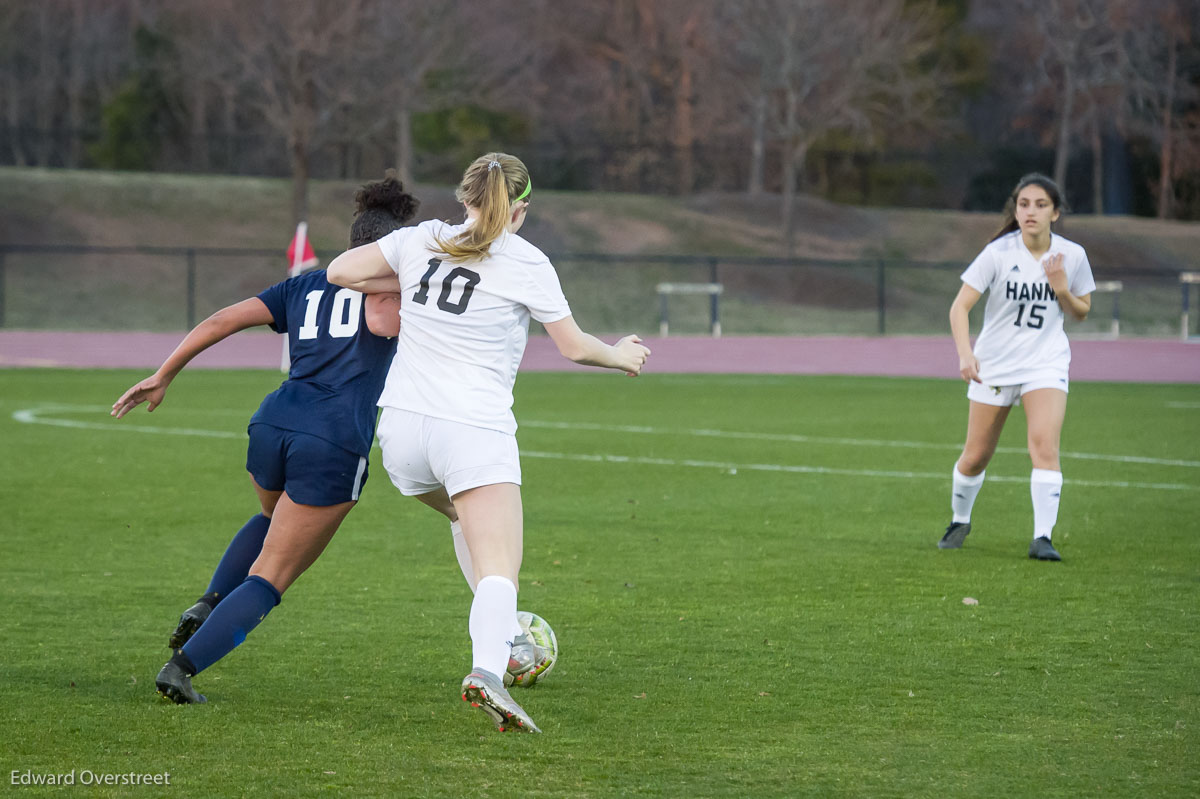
(311, 470)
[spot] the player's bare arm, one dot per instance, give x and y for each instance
(628, 354)
(219, 326)
(362, 269)
(960, 329)
(382, 313)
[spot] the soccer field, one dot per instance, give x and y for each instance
(742, 573)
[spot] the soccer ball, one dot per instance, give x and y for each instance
(541, 633)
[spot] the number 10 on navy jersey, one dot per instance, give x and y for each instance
(343, 317)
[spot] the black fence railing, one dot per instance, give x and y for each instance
(85, 287)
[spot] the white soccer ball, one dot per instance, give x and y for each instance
(540, 631)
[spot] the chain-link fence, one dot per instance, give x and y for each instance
(172, 288)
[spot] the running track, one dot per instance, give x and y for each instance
(1131, 360)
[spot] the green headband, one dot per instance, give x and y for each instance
(524, 194)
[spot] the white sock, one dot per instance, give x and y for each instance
(468, 570)
(962, 498)
(1045, 486)
(493, 616)
(463, 554)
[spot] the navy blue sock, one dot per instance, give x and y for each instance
(238, 558)
(230, 622)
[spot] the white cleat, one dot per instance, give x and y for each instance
(485, 691)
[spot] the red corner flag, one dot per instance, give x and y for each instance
(301, 257)
(300, 254)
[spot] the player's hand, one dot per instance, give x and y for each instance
(631, 355)
(1056, 273)
(968, 367)
(150, 390)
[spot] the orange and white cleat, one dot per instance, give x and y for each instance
(484, 690)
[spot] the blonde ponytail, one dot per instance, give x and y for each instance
(490, 185)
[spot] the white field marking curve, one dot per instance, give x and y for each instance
(733, 468)
(851, 442)
(35, 416)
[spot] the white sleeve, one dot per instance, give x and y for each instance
(1082, 282)
(393, 246)
(544, 294)
(982, 271)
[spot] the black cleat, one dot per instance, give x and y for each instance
(955, 533)
(175, 684)
(1042, 549)
(189, 622)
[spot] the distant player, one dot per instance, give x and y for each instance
(1021, 357)
(447, 423)
(309, 440)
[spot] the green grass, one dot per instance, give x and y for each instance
(728, 627)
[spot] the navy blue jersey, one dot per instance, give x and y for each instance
(338, 365)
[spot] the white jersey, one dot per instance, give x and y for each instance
(1022, 338)
(464, 325)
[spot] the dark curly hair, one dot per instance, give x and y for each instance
(381, 207)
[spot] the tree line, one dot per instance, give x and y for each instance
(923, 102)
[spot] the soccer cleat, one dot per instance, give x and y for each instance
(189, 622)
(955, 533)
(525, 656)
(1042, 549)
(485, 691)
(175, 684)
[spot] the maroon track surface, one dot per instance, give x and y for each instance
(1131, 360)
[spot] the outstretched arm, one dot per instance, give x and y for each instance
(362, 269)
(221, 325)
(960, 328)
(628, 354)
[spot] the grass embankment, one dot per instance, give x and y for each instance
(98, 291)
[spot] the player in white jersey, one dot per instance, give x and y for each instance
(447, 426)
(1033, 277)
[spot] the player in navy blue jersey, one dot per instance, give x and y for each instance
(309, 440)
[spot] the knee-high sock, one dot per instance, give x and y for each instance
(468, 569)
(238, 558)
(493, 617)
(962, 498)
(463, 554)
(1045, 486)
(231, 621)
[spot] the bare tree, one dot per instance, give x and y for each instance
(97, 54)
(13, 58)
(46, 80)
(829, 66)
(1157, 90)
(414, 39)
(296, 61)
(636, 81)
(1059, 70)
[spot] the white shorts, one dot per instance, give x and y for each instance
(1005, 396)
(423, 453)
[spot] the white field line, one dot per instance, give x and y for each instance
(733, 468)
(851, 442)
(35, 416)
